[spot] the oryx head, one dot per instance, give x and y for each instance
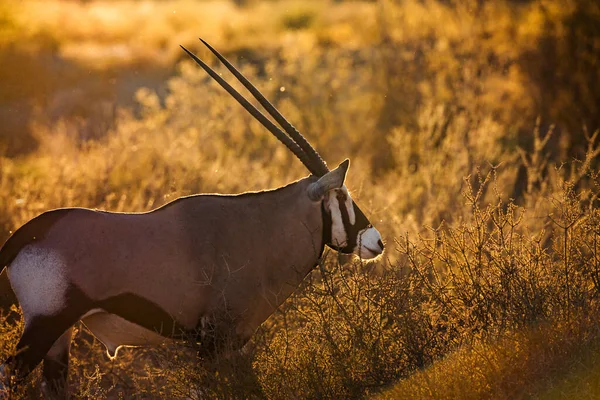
(346, 228)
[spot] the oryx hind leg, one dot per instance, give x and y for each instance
(56, 367)
(50, 305)
(37, 343)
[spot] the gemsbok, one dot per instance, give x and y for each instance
(210, 265)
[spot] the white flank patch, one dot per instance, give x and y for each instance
(368, 240)
(37, 276)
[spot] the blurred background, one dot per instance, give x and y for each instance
(445, 107)
(508, 61)
(389, 84)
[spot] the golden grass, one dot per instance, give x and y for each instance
(546, 362)
(114, 34)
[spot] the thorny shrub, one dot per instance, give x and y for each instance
(351, 328)
(511, 231)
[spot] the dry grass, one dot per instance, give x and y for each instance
(525, 364)
(490, 284)
(113, 34)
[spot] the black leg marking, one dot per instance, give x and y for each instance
(142, 312)
(56, 373)
(212, 334)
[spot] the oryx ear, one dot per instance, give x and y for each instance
(331, 180)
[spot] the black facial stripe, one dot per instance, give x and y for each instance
(361, 220)
(326, 234)
(351, 232)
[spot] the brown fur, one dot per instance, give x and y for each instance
(34, 230)
(203, 256)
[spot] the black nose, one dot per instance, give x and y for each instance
(380, 243)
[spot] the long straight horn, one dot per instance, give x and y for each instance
(279, 134)
(317, 163)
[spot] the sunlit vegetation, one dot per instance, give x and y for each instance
(472, 128)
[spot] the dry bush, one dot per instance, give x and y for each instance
(525, 364)
(491, 226)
